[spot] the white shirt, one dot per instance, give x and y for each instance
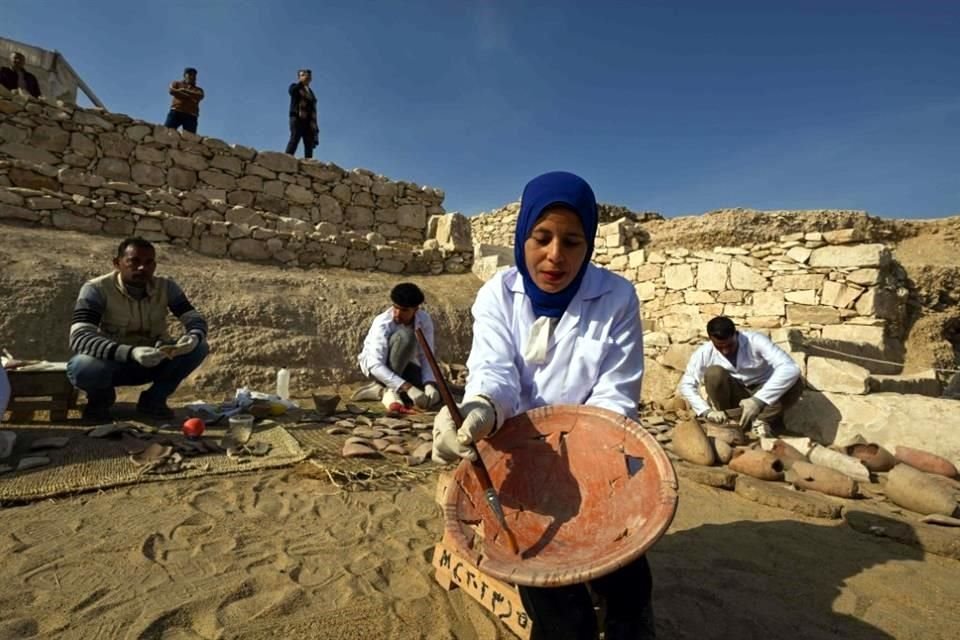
(375, 357)
(594, 353)
(759, 361)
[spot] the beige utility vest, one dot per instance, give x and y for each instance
(139, 323)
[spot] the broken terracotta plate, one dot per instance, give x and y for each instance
(585, 491)
(357, 450)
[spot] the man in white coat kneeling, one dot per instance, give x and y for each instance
(741, 369)
(392, 356)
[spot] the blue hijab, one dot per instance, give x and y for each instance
(554, 188)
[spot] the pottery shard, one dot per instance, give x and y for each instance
(380, 444)
(357, 450)
(396, 449)
(367, 432)
(692, 444)
(421, 454)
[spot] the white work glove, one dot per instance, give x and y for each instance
(751, 409)
(147, 356)
(479, 419)
(187, 343)
(714, 415)
(390, 397)
(419, 398)
(433, 395)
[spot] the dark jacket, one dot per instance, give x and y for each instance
(10, 80)
(303, 104)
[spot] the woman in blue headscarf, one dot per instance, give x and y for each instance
(556, 329)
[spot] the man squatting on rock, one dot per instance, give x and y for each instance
(119, 321)
(745, 369)
(392, 356)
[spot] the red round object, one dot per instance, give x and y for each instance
(193, 427)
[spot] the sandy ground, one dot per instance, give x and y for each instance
(283, 554)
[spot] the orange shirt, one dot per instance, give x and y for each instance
(186, 99)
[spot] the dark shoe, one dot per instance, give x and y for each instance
(159, 411)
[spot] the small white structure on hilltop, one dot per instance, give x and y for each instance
(57, 79)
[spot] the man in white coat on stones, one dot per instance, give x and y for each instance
(392, 356)
(556, 329)
(741, 369)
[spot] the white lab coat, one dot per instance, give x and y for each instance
(759, 361)
(4, 391)
(594, 355)
(374, 358)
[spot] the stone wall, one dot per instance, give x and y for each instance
(497, 227)
(97, 172)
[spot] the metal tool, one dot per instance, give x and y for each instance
(483, 477)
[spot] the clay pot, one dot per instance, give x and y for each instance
(787, 454)
(839, 462)
(691, 443)
(926, 461)
(757, 463)
(873, 456)
(723, 450)
(915, 490)
(810, 476)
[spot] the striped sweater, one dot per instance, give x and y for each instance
(108, 322)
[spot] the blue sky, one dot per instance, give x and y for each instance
(678, 107)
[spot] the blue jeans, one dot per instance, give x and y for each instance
(98, 378)
(179, 118)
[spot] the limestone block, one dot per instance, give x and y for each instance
(330, 210)
(279, 162)
(677, 356)
(363, 199)
(9, 197)
(275, 188)
(242, 198)
(44, 203)
(218, 180)
(805, 296)
(645, 291)
(279, 206)
(867, 303)
(839, 295)
(50, 138)
(768, 303)
(299, 194)
(137, 132)
(800, 254)
(118, 227)
(253, 169)
(208, 193)
(678, 276)
(342, 193)
(853, 256)
(147, 174)
(359, 217)
(730, 296)
(453, 232)
(712, 276)
(618, 264)
(83, 145)
(360, 259)
(798, 281)
(802, 314)
(229, 163)
(115, 145)
(243, 215)
(838, 376)
(413, 216)
(178, 227)
(746, 278)
(73, 222)
(12, 212)
(28, 153)
(737, 310)
(151, 155)
(181, 179)
(693, 296)
(391, 266)
(212, 245)
(842, 236)
(250, 183)
(164, 136)
(486, 267)
(41, 178)
(864, 277)
(187, 160)
(859, 334)
(113, 169)
(636, 258)
(390, 231)
(762, 322)
(249, 249)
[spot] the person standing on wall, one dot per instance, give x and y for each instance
(185, 109)
(303, 115)
(18, 77)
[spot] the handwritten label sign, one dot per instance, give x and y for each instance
(499, 598)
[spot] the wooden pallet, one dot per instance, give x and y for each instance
(47, 390)
(453, 570)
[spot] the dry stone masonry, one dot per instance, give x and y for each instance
(96, 172)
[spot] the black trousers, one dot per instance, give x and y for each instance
(302, 129)
(566, 613)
